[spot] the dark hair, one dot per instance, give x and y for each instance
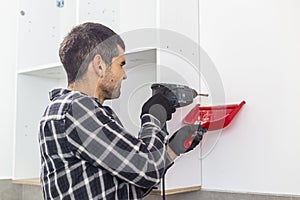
(84, 42)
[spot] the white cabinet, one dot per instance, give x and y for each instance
(178, 61)
(32, 97)
(154, 55)
(138, 14)
(101, 11)
(186, 172)
(180, 17)
(141, 71)
(41, 28)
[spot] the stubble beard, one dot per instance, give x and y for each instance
(111, 89)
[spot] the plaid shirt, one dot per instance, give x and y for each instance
(87, 154)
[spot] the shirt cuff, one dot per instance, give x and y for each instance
(148, 118)
(169, 162)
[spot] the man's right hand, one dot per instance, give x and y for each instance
(186, 138)
(159, 107)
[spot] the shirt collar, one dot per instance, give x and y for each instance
(57, 92)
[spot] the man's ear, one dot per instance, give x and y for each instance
(98, 65)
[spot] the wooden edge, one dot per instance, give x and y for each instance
(35, 182)
(176, 191)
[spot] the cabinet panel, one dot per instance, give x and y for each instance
(138, 14)
(41, 27)
(175, 68)
(178, 61)
(101, 11)
(136, 89)
(181, 17)
(32, 98)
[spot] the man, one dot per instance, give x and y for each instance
(85, 151)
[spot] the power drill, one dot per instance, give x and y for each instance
(179, 96)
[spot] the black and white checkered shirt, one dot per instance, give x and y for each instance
(87, 154)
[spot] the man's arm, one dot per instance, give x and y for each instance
(97, 138)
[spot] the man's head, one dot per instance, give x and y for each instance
(92, 55)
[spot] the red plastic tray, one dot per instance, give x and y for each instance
(213, 117)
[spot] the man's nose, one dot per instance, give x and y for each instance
(125, 76)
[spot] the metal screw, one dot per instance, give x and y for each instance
(60, 3)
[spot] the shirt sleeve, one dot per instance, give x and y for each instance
(97, 138)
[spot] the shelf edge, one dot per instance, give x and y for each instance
(35, 182)
(38, 68)
(176, 191)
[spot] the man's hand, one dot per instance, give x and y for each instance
(186, 138)
(159, 107)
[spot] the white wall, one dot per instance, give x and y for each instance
(8, 16)
(255, 46)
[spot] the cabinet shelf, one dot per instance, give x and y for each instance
(53, 71)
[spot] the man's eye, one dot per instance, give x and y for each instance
(123, 63)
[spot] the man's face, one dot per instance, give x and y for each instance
(113, 76)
